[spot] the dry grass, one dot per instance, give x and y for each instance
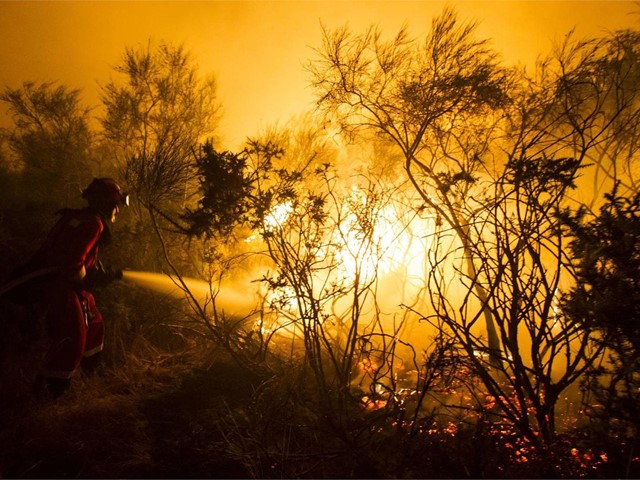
(191, 412)
(142, 421)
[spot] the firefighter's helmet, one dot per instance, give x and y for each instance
(105, 191)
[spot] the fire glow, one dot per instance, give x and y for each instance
(366, 241)
(386, 246)
(389, 247)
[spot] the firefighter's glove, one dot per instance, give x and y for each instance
(101, 275)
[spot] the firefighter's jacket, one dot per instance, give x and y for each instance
(73, 320)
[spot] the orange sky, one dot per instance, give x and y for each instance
(256, 50)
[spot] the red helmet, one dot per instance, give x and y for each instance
(105, 190)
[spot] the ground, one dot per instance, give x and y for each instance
(190, 415)
(155, 426)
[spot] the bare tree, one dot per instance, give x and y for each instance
(521, 260)
(409, 92)
(496, 155)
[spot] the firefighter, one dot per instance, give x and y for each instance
(74, 323)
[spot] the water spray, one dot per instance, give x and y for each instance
(233, 299)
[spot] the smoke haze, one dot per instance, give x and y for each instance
(257, 50)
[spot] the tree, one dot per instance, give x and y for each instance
(238, 192)
(605, 299)
(51, 139)
(321, 244)
(601, 93)
(156, 115)
(521, 258)
(415, 94)
(156, 118)
(496, 155)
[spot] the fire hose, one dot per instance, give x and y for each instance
(10, 285)
(100, 276)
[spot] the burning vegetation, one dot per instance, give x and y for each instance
(435, 274)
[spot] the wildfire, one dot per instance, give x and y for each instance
(368, 240)
(381, 242)
(369, 245)
(278, 215)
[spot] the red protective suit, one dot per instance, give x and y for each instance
(73, 320)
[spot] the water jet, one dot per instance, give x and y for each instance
(235, 300)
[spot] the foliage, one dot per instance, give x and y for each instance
(494, 154)
(516, 299)
(606, 250)
(155, 118)
(50, 143)
(403, 87)
(156, 114)
(519, 257)
(434, 100)
(599, 94)
(225, 191)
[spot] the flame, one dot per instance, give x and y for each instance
(278, 216)
(387, 246)
(284, 298)
(366, 240)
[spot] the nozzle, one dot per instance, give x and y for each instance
(102, 275)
